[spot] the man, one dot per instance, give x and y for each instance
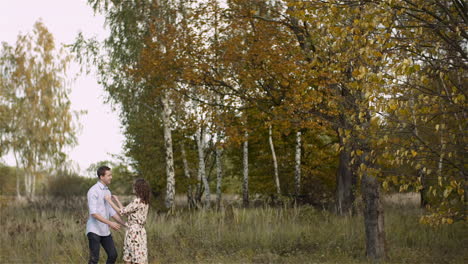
(97, 227)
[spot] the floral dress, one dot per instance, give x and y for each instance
(135, 249)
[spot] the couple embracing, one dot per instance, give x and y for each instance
(103, 206)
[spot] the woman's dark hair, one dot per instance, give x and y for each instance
(102, 170)
(142, 190)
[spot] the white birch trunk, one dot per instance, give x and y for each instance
(219, 152)
(190, 200)
(201, 166)
(297, 174)
(170, 187)
(219, 175)
(26, 184)
(443, 145)
(245, 182)
(33, 184)
(275, 162)
(18, 192)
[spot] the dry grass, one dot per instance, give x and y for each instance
(52, 231)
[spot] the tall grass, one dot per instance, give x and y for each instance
(54, 232)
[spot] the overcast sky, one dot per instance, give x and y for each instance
(100, 135)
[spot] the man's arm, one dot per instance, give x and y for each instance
(92, 203)
(118, 219)
(113, 225)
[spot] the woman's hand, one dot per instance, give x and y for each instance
(107, 198)
(115, 198)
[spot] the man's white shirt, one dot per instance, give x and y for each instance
(98, 205)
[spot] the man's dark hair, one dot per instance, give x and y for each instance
(102, 170)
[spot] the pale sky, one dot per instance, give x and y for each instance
(100, 135)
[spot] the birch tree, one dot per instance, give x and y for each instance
(245, 170)
(297, 167)
(170, 184)
(275, 162)
(35, 92)
(201, 145)
(190, 198)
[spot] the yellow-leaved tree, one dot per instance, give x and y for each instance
(38, 124)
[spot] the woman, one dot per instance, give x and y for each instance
(135, 249)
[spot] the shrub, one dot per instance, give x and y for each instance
(69, 185)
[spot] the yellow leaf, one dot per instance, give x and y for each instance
(447, 192)
(363, 166)
(385, 185)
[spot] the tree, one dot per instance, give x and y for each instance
(429, 106)
(34, 90)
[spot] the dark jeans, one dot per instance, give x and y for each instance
(94, 246)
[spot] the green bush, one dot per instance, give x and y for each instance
(69, 185)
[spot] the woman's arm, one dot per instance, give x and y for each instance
(117, 200)
(116, 208)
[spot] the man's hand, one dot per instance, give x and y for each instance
(107, 197)
(114, 225)
(115, 198)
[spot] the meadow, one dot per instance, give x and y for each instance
(53, 231)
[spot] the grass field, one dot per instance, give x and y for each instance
(53, 231)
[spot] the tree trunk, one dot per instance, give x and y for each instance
(28, 183)
(423, 191)
(245, 183)
(190, 199)
(33, 185)
(421, 174)
(219, 175)
(201, 166)
(345, 179)
(170, 187)
(297, 174)
(373, 209)
(465, 194)
(275, 163)
(373, 217)
(18, 192)
(199, 187)
(219, 152)
(443, 145)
